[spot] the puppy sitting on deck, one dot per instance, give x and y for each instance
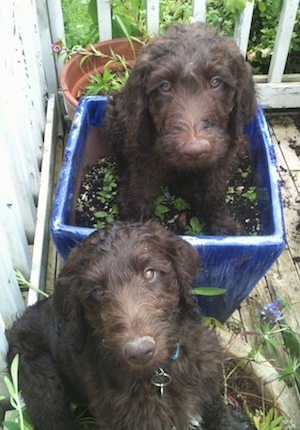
(122, 335)
(179, 121)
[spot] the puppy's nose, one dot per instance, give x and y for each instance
(139, 350)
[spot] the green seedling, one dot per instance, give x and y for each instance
(250, 194)
(195, 227)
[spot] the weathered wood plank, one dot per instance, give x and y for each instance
(54, 261)
(42, 234)
(288, 160)
(11, 302)
(282, 281)
(279, 96)
(11, 223)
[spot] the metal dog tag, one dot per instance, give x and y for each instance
(161, 379)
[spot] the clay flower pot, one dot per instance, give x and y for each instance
(233, 263)
(75, 76)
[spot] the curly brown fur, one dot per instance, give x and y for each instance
(179, 121)
(121, 305)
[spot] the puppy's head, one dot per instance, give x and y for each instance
(126, 282)
(195, 90)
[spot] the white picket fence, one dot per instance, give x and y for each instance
(30, 114)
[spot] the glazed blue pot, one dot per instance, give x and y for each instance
(235, 263)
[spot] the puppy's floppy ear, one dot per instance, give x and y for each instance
(245, 102)
(186, 263)
(68, 307)
(70, 290)
(128, 114)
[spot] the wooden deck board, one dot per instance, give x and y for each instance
(282, 281)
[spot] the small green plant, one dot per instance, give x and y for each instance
(266, 336)
(180, 204)
(115, 72)
(170, 209)
(107, 194)
(80, 203)
(230, 194)
(109, 80)
(109, 187)
(250, 194)
(17, 420)
(160, 209)
(25, 285)
(272, 324)
(106, 217)
(269, 422)
(195, 227)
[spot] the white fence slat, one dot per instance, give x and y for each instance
(15, 103)
(283, 39)
(45, 37)
(26, 19)
(11, 157)
(42, 233)
(12, 152)
(11, 222)
(199, 10)
(104, 19)
(152, 17)
(243, 26)
(16, 95)
(11, 301)
(23, 86)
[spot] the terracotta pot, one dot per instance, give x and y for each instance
(75, 76)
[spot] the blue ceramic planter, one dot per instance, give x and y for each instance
(233, 263)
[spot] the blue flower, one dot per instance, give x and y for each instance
(272, 311)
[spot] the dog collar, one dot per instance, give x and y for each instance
(161, 378)
(175, 355)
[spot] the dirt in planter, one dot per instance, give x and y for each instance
(97, 201)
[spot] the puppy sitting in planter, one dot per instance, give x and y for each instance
(179, 121)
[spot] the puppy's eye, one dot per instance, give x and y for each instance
(165, 86)
(150, 275)
(215, 82)
(98, 292)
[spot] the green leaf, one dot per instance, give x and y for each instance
(124, 29)
(195, 226)
(235, 6)
(10, 386)
(160, 210)
(250, 194)
(11, 426)
(100, 214)
(208, 291)
(291, 342)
